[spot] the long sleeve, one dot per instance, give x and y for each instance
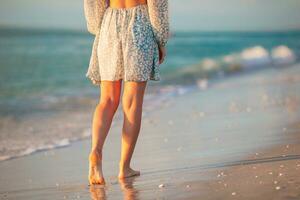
(159, 17)
(94, 12)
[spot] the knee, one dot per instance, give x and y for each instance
(126, 106)
(131, 105)
(110, 104)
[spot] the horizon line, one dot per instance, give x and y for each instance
(10, 27)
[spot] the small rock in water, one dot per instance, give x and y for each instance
(280, 174)
(275, 182)
(233, 193)
(281, 166)
(277, 188)
(270, 173)
(161, 186)
(188, 186)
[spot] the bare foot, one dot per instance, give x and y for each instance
(95, 169)
(128, 172)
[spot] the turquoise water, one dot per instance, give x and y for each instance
(36, 62)
(190, 47)
(42, 77)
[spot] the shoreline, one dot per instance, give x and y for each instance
(189, 148)
(162, 92)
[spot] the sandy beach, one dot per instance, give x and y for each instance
(237, 139)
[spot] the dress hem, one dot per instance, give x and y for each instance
(97, 82)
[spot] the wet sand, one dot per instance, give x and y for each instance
(238, 139)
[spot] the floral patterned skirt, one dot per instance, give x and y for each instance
(126, 48)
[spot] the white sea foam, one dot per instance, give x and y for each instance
(231, 58)
(35, 147)
(209, 64)
(282, 55)
(255, 56)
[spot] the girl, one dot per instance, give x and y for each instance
(129, 45)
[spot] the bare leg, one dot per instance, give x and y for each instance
(132, 102)
(103, 115)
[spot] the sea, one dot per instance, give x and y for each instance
(46, 100)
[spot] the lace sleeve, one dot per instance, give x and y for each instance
(94, 11)
(159, 17)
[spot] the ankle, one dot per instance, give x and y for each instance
(95, 157)
(96, 151)
(124, 165)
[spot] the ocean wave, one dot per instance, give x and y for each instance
(33, 149)
(43, 131)
(249, 58)
(282, 55)
(36, 147)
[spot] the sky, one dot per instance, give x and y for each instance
(186, 15)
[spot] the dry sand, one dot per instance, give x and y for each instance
(239, 139)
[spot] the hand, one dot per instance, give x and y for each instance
(162, 54)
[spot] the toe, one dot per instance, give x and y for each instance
(128, 173)
(135, 172)
(97, 182)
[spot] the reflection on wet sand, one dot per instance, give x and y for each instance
(129, 192)
(97, 192)
(127, 186)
